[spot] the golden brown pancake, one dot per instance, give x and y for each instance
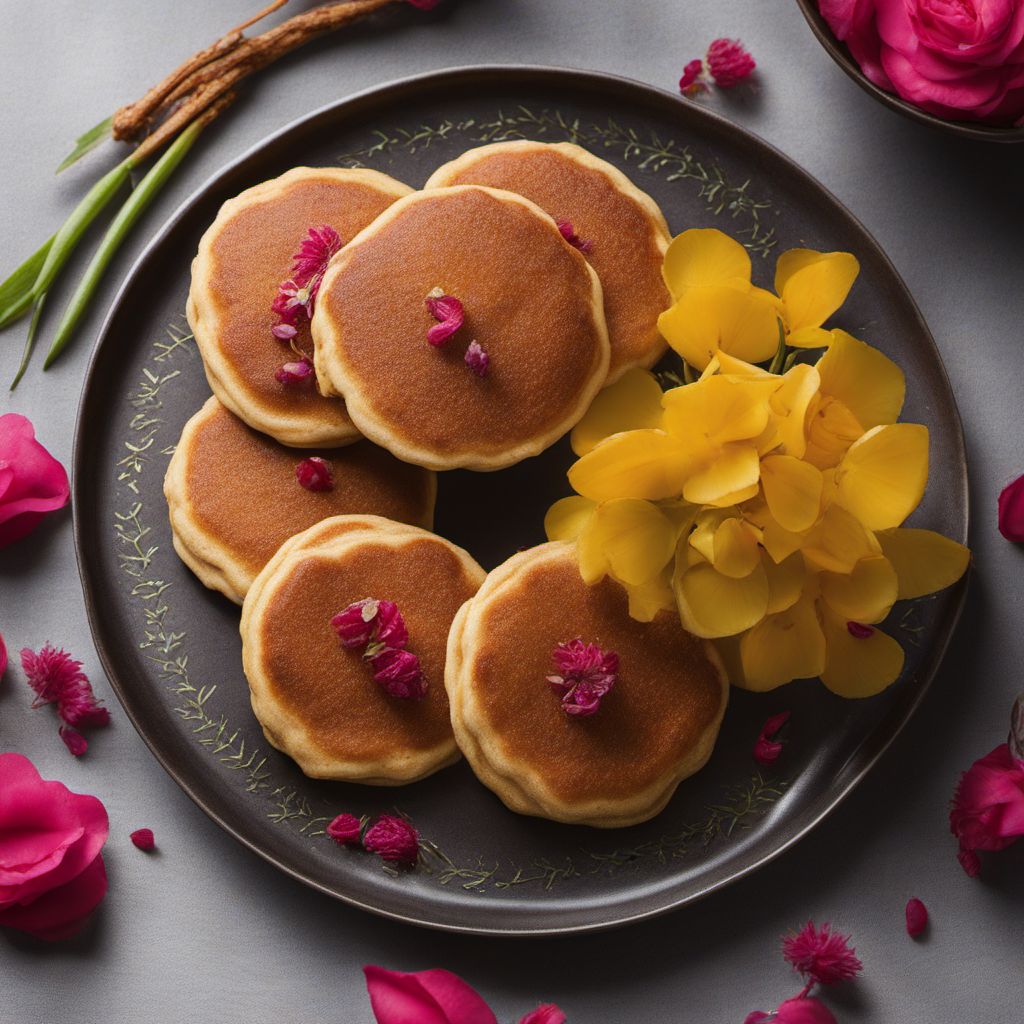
(619, 766)
(243, 257)
(625, 227)
(316, 699)
(531, 301)
(234, 498)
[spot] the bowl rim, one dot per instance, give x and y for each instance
(841, 55)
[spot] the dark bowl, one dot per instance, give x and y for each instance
(841, 55)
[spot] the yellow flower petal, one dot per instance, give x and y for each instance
(637, 541)
(867, 382)
(809, 337)
(780, 543)
(631, 403)
(815, 288)
(737, 367)
(866, 594)
(791, 403)
(706, 523)
(831, 429)
(882, 478)
(792, 489)
(735, 551)
(786, 646)
(857, 667)
(924, 561)
(719, 409)
(648, 599)
(790, 262)
(713, 605)
(785, 581)
(734, 471)
(837, 542)
(703, 256)
(636, 464)
(566, 519)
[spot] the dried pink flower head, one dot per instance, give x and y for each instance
(767, 748)
(449, 314)
(690, 81)
(315, 474)
(345, 828)
(477, 359)
(393, 839)
(916, 916)
(297, 372)
(371, 620)
(399, 673)
(821, 955)
(585, 675)
(858, 630)
(293, 302)
(314, 253)
(1011, 510)
(142, 839)
(569, 234)
(73, 740)
(547, 1013)
(729, 62)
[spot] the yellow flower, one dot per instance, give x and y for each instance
(812, 286)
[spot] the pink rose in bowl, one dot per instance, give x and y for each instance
(958, 59)
(32, 482)
(51, 870)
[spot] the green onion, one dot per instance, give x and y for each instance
(87, 142)
(132, 209)
(37, 309)
(16, 291)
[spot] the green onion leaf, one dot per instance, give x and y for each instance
(87, 142)
(132, 209)
(30, 340)
(16, 291)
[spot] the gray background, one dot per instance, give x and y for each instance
(207, 931)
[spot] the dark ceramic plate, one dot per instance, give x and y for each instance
(841, 55)
(171, 647)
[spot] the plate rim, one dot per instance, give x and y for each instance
(530, 74)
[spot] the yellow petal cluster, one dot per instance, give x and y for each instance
(766, 507)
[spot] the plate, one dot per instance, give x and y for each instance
(171, 648)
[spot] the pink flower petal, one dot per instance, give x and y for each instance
(73, 740)
(803, 1010)
(393, 839)
(143, 839)
(3, 656)
(547, 1013)
(298, 372)
(569, 234)
(62, 912)
(314, 473)
(477, 359)
(449, 313)
(1011, 511)
(345, 828)
(767, 748)
(586, 674)
(399, 673)
(859, 631)
(917, 917)
(689, 82)
(32, 482)
(426, 997)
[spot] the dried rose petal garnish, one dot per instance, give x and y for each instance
(449, 313)
(767, 748)
(859, 630)
(314, 473)
(1011, 510)
(477, 359)
(315, 252)
(729, 62)
(399, 673)
(378, 628)
(296, 297)
(569, 234)
(690, 81)
(298, 372)
(585, 675)
(393, 839)
(73, 740)
(821, 955)
(142, 839)
(916, 916)
(345, 829)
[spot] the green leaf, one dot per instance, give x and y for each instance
(16, 291)
(30, 341)
(133, 207)
(87, 142)
(780, 353)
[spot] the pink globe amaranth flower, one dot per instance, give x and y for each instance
(345, 828)
(916, 915)
(32, 482)
(961, 59)
(424, 997)
(449, 314)
(547, 1013)
(393, 839)
(568, 232)
(143, 839)
(821, 955)
(585, 675)
(51, 870)
(314, 253)
(314, 473)
(1011, 511)
(399, 673)
(766, 747)
(729, 63)
(477, 359)
(370, 620)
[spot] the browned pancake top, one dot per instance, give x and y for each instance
(242, 490)
(625, 253)
(330, 688)
(667, 692)
(528, 301)
(252, 254)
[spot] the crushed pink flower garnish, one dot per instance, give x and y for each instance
(569, 234)
(916, 916)
(371, 620)
(477, 359)
(345, 829)
(859, 630)
(821, 955)
(729, 63)
(449, 314)
(1011, 511)
(690, 81)
(585, 675)
(767, 748)
(298, 372)
(314, 473)
(399, 673)
(142, 839)
(57, 678)
(295, 300)
(393, 839)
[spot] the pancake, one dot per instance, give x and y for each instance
(316, 699)
(531, 301)
(243, 257)
(234, 499)
(620, 766)
(624, 225)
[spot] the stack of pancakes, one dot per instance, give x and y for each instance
(556, 258)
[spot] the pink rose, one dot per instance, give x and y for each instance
(961, 59)
(32, 481)
(51, 871)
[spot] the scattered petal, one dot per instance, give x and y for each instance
(859, 630)
(298, 372)
(568, 233)
(425, 997)
(399, 674)
(1011, 511)
(314, 473)
(143, 839)
(821, 955)
(767, 748)
(547, 1013)
(284, 332)
(917, 917)
(57, 678)
(729, 62)
(393, 839)
(73, 740)
(477, 359)
(586, 674)
(345, 828)
(449, 313)
(690, 83)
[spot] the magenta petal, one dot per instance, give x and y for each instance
(3, 655)
(32, 482)
(61, 912)
(803, 1010)
(548, 1013)
(1011, 511)
(425, 997)
(917, 917)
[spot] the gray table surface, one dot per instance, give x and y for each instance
(208, 931)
